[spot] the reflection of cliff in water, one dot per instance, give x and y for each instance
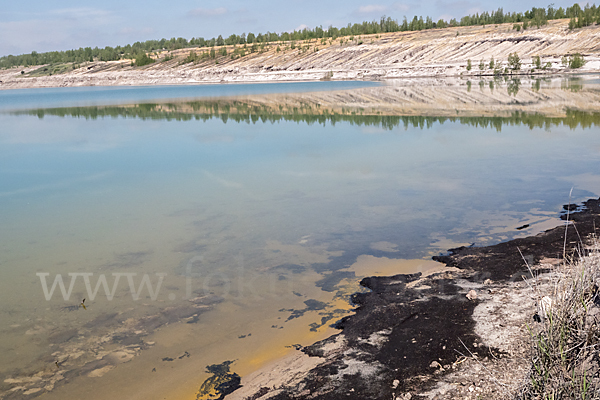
(539, 104)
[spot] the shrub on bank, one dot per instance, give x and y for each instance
(576, 61)
(143, 59)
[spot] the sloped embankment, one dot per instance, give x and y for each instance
(436, 52)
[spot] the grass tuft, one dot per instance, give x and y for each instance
(566, 359)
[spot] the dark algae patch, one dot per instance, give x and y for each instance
(311, 305)
(411, 331)
(220, 384)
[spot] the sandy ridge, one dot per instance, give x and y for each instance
(430, 53)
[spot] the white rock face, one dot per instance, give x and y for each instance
(426, 53)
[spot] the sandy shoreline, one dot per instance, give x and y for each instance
(10, 79)
(460, 332)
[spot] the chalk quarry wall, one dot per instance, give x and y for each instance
(430, 53)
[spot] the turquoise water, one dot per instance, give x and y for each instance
(285, 207)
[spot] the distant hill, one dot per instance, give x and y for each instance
(453, 51)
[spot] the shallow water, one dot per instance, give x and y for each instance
(266, 224)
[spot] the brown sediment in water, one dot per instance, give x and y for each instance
(165, 354)
(171, 341)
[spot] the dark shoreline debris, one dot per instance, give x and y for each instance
(405, 321)
(220, 384)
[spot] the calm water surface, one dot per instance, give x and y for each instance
(239, 239)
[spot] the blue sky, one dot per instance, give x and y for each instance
(45, 25)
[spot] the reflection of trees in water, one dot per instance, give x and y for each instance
(239, 111)
(537, 84)
(572, 84)
(513, 86)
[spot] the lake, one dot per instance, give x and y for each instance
(204, 224)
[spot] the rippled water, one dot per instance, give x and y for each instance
(257, 213)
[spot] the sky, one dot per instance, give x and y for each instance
(47, 25)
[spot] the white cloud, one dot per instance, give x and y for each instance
(401, 7)
(207, 12)
(70, 27)
(372, 8)
(81, 13)
(301, 27)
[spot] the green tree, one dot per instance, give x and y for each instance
(481, 65)
(492, 63)
(469, 66)
(572, 23)
(233, 39)
(498, 68)
(192, 57)
(143, 59)
(539, 17)
(514, 62)
(537, 61)
(576, 61)
(579, 17)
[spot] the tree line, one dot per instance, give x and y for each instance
(580, 17)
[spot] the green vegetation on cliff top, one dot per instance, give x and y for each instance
(580, 17)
